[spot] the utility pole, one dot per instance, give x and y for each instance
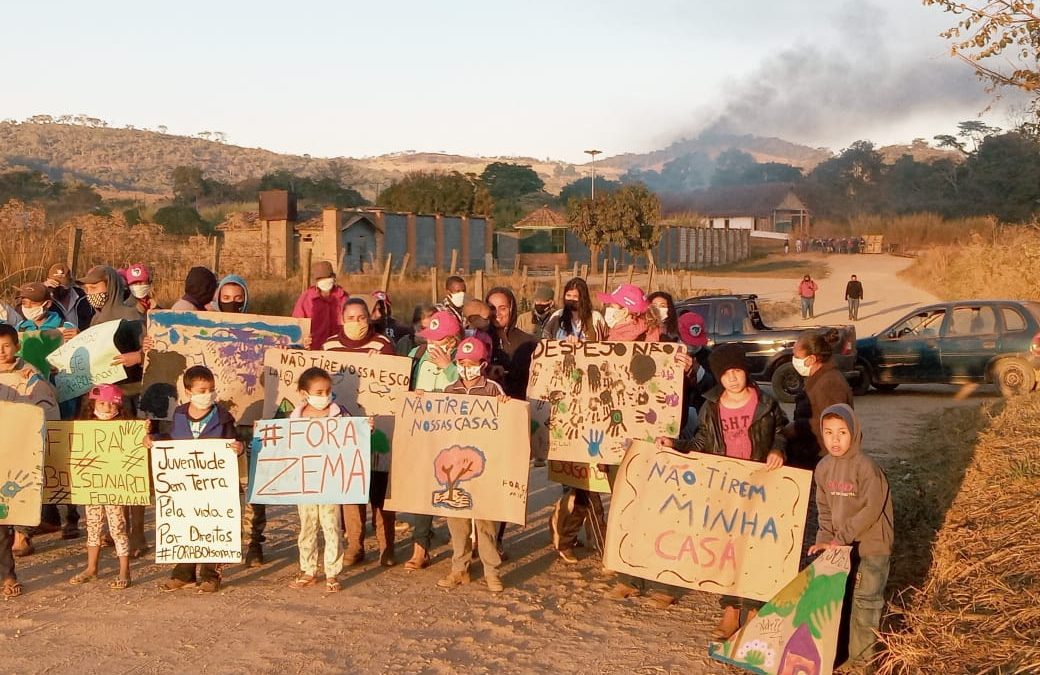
(593, 154)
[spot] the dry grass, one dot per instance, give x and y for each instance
(978, 610)
(911, 232)
(1005, 265)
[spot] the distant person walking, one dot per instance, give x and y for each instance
(807, 292)
(853, 295)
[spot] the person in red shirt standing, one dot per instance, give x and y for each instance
(322, 303)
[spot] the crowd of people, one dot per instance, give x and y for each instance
(462, 345)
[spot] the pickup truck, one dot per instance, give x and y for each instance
(962, 342)
(735, 318)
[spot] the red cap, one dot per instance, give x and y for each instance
(629, 296)
(471, 349)
(109, 393)
(442, 324)
(693, 330)
(138, 273)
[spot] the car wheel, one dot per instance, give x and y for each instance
(787, 383)
(885, 386)
(861, 385)
(1014, 377)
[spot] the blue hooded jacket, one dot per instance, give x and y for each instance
(230, 279)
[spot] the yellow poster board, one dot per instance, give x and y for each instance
(94, 462)
(21, 464)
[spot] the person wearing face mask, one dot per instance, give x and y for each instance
(824, 386)
(421, 316)
(698, 379)
(70, 300)
(358, 335)
(542, 308)
(199, 287)
(322, 303)
(476, 323)
(455, 297)
(383, 320)
(36, 305)
(577, 320)
(628, 315)
(232, 295)
(663, 306)
(138, 279)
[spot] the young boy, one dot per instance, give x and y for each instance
(471, 360)
(855, 509)
(200, 417)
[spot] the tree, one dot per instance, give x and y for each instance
(180, 219)
(732, 167)
(188, 184)
(425, 192)
(452, 466)
(1003, 178)
(582, 188)
(510, 181)
(628, 217)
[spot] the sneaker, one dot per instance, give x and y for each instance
(494, 584)
(567, 556)
(387, 559)
(454, 579)
(210, 586)
(539, 463)
(70, 532)
(254, 556)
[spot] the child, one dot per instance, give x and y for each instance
(200, 417)
(105, 402)
(139, 284)
(315, 387)
(855, 509)
(471, 360)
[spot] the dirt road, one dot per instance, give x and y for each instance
(552, 616)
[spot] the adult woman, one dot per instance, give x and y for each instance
(664, 307)
(512, 347)
(824, 386)
(576, 319)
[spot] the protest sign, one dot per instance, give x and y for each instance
(196, 502)
(37, 345)
(231, 345)
(461, 457)
(21, 464)
(588, 398)
(310, 460)
(797, 630)
(706, 522)
(93, 462)
(580, 475)
(363, 383)
(86, 360)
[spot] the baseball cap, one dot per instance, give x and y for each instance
(95, 274)
(138, 273)
(543, 294)
(108, 393)
(629, 296)
(471, 349)
(442, 324)
(60, 273)
(34, 291)
(693, 330)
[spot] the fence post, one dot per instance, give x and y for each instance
(306, 275)
(478, 284)
(454, 260)
(523, 282)
(404, 268)
(558, 288)
(216, 255)
(574, 272)
(434, 290)
(606, 277)
(631, 273)
(72, 259)
(584, 271)
(386, 273)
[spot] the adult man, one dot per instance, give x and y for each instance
(70, 301)
(807, 293)
(853, 294)
(455, 297)
(543, 307)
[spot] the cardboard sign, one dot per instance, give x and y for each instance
(310, 460)
(86, 360)
(363, 383)
(231, 345)
(21, 464)
(589, 398)
(93, 462)
(196, 502)
(584, 476)
(707, 522)
(461, 456)
(796, 632)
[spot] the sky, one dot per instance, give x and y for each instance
(539, 78)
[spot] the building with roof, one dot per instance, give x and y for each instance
(768, 210)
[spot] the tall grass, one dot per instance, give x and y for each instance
(1006, 265)
(910, 232)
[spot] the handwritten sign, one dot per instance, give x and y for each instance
(21, 464)
(797, 630)
(580, 475)
(461, 456)
(363, 383)
(231, 345)
(196, 502)
(311, 460)
(91, 462)
(706, 522)
(86, 360)
(589, 398)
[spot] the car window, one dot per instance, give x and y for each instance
(1013, 320)
(923, 324)
(968, 321)
(727, 322)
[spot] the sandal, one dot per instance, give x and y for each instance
(120, 584)
(333, 586)
(661, 600)
(11, 589)
(82, 578)
(621, 591)
(171, 585)
(303, 581)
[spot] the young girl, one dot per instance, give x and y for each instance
(628, 316)
(105, 403)
(315, 388)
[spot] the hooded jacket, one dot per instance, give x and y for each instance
(826, 387)
(214, 306)
(765, 431)
(127, 337)
(852, 495)
(221, 424)
(199, 288)
(325, 312)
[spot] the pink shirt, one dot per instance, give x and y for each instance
(735, 424)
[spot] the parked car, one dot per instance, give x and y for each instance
(970, 341)
(735, 318)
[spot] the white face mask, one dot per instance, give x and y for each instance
(325, 285)
(105, 416)
(662, 313)
(469, 372)
(204, 401)
(801, 366)
(319, 402)
(141, 291)
(34, 313)
(457, 299)
(613, 316)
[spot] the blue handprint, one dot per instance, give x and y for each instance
(594, 440)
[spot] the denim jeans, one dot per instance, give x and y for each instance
(854, 309)
(868, 600)
(807, 307)
(422, 530)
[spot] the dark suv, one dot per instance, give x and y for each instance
(972, 341)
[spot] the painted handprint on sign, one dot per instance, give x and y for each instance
(453, 466)
(617, 423)
(594, 440)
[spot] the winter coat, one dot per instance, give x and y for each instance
(826, 387)
(766, 430)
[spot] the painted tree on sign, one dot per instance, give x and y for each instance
(452, 466)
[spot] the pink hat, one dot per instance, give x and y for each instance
(471, 349)
(692, 329)
(138, 273)
(107, 393)
(442, 324)
(628, 296)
